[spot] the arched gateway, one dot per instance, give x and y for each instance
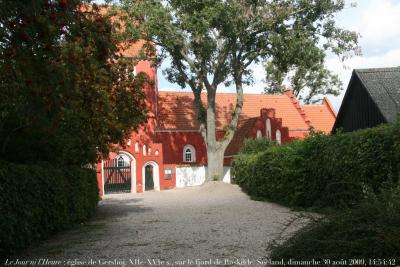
(119, 174)
(151, 176)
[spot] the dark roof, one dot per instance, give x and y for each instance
(383, 85)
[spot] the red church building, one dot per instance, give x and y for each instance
(168, 151)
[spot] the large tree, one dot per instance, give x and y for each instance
(308, 83)
(216, 42)
(66, 93)
(307, 75)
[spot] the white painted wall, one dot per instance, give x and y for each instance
(227, 175)
(190, 176)
(196, 175)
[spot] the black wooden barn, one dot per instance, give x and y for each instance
(372, 98)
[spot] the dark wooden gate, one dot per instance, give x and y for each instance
(149, 177)
(117, 176)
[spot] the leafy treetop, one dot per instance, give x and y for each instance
(214, 42)
(66, 92)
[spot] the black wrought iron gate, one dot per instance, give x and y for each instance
(117, 176)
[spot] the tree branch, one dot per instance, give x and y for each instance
(218, 71)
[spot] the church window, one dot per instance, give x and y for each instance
(189, 154)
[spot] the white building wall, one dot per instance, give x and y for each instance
(227, 175)
(190, 176)
(196, 175)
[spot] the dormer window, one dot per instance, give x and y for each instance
(189, 154)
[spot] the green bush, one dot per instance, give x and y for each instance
(323, 170)
(262, 175)
(251, 145)
(39, 200)
(371, 230)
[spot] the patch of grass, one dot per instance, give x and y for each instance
(370, 230)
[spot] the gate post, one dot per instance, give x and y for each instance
(102, 177)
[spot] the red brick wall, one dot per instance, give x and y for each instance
(174, 142)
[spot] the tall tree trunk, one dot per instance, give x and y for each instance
(215, 150)
(215, 164)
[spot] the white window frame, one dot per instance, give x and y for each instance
(192, 153)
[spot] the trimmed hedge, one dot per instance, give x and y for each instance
(323, 170)
(39, 200)
(369, 231)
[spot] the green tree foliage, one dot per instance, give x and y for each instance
(303, 49)
(212, 43)
(251, 145)
(66, 93)
(309, 84)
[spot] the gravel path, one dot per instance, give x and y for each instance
(214, 224)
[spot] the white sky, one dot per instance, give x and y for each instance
(378, 22)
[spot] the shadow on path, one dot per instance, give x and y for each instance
(88, 235)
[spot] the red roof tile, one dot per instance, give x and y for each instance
(322, 116)
(176, 110)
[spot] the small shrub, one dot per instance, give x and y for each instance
(369, 230)
(39, 200)
(254, 145)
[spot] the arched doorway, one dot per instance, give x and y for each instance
(151, 176)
